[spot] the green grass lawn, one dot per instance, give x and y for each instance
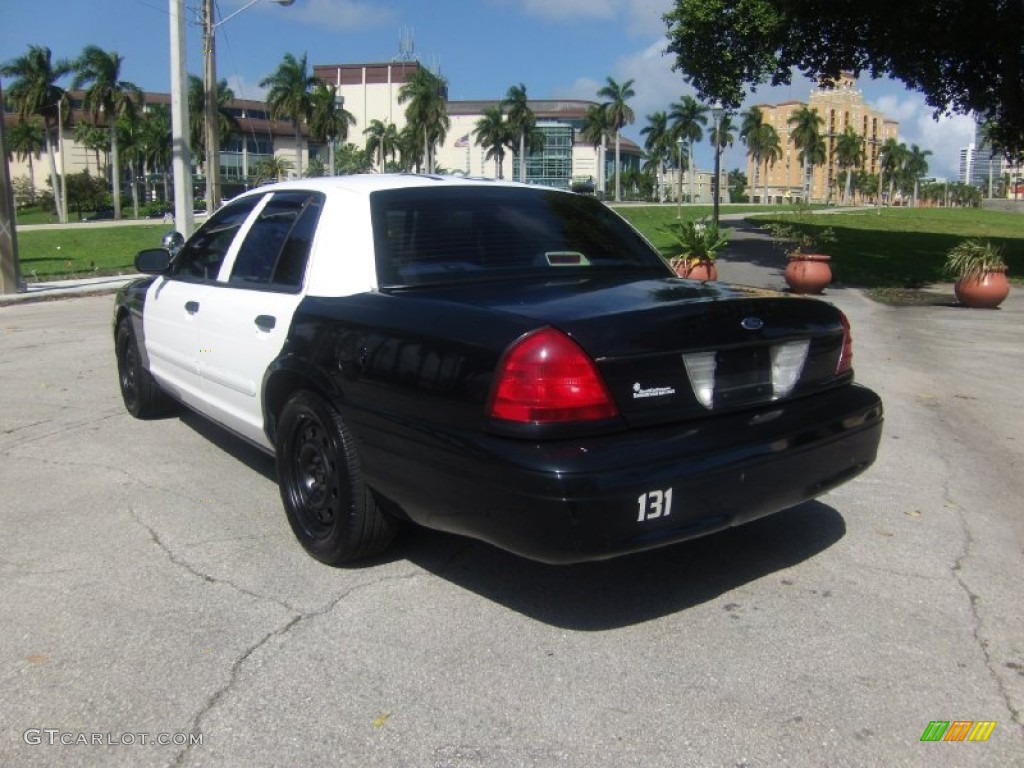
(896, 248)
(906, 248)
(893, 248)
(84, 251)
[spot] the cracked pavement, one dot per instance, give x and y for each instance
(149, 584)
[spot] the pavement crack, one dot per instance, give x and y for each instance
(189, 568)
(283, 630)
(974, 600)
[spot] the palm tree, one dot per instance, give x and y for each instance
(596, 130)
(271, 169)
(129, 140)
(409, 149)
(381, 141)
(849, 155)
(688, 118)
(521, 119)
(27, 140)
(771, 152)
(288, 97)
(917, 167)
(658, 145)
(35, 92)
(99, 72)
(328, 119)
(494, 133)
(813, 155)
(227, 122)
(618, 114)
(893, 161)
(724, 137)
(155, 144)
(806, 124)
(751, 124)
(95, 139)
(427, 113)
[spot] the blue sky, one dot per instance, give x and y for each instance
(557, 48)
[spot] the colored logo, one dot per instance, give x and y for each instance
(958, 730)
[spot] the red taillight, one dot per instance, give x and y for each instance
(544, 378)
(846, 356)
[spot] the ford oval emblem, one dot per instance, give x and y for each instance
(752, 323)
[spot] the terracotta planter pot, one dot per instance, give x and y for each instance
(697, 270)
(808, 272)
(985, 292)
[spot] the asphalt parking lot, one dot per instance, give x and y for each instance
(151, 590)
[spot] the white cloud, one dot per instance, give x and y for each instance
(246, 89)
(944, 136)
(642, 17)
(342, 14)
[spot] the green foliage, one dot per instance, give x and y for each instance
(970, 259)
(352, 159)
(973, 61)
(698, 239)
(799, 232)
(87, 193)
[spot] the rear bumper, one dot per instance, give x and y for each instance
(595, 498)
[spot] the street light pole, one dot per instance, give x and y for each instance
(181, 161)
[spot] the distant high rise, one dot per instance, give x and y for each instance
(978, 162)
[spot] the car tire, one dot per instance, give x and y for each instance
(332, 512)
(142, 396)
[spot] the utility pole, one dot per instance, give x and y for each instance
(210, 112)
(10, 273)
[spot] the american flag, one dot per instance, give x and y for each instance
(463, 142)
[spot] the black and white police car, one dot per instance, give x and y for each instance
(511, 363)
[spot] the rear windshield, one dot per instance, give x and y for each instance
(428, 236)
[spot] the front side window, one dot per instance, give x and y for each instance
(201, 256)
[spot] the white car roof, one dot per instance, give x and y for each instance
(365, 183)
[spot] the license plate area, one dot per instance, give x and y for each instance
(742, 376)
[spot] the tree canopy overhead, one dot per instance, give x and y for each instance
(963, 55)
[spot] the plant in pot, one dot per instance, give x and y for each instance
(699, 242)
(807, 268)
(980, 273)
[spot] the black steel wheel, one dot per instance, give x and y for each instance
(331, 510)
(142, 396)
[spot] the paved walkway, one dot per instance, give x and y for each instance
(55, 289)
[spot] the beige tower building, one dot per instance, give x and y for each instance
(839, 106)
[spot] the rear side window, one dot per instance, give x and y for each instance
(204, 252)
(276, 248)
(430, 235)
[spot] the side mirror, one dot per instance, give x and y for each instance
(173, 241)
(153, 261)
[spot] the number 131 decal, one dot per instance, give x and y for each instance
(654, 504)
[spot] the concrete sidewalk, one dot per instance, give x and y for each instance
(56, 289)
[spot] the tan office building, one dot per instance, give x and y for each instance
(839, 106)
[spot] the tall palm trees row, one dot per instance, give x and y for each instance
(35, 93)
(670, 137)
